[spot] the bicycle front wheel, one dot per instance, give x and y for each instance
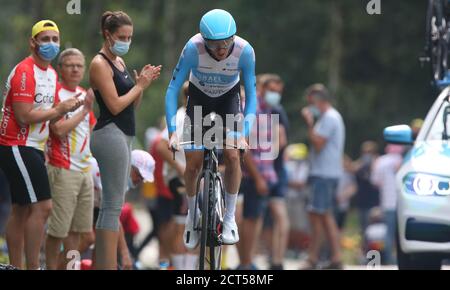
(205, 218)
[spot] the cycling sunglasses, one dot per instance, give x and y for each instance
(220, 44)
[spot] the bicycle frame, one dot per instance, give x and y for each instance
(212, 206)
(211, 209)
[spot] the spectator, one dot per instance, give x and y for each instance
(272, 86)
(28, 108)
(327, 137)
(68, 164)
(297, 171)
(346, 190)
(416, 125)
(383, 176)
(376, 232)
(367, 195)
(260, 178)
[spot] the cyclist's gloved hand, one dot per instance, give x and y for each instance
(174, 143)
(242, 144)
(236, 140)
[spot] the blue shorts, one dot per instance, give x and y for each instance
(279, 189)
(254, 204)
(322, 194)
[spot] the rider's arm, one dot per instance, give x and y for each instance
(162, 148)
(188, 60)
(247, 65)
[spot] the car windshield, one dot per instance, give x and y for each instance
(440, 130)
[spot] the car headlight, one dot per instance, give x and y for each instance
(426, 184)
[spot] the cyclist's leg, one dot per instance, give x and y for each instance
(229, 108)
(192, 125)
(194, 163)
(232, 180)
(194, 160)
(233, 177)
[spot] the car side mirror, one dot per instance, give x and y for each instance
(400, 134)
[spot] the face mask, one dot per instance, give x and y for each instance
(272, 98)
(120, 48)
(48, 51)
(131, 185)
(366, 157)
(314, 111)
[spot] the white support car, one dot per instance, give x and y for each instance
(423, 184)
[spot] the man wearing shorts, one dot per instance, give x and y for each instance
(68, 166)
(327, 138)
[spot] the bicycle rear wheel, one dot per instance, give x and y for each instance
(436, 42)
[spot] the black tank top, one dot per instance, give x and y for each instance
(125, 119)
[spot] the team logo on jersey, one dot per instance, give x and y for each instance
(41, 99)
(23, 82)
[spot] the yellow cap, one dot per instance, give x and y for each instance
(297, 151)
(43, 25)
(417, 123)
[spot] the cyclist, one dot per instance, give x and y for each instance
(28, 108)
(214, 59)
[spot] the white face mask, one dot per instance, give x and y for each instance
(272, 98)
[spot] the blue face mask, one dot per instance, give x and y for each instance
(48, 51)
(314, 111)
(120, 48)
(272, 98)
